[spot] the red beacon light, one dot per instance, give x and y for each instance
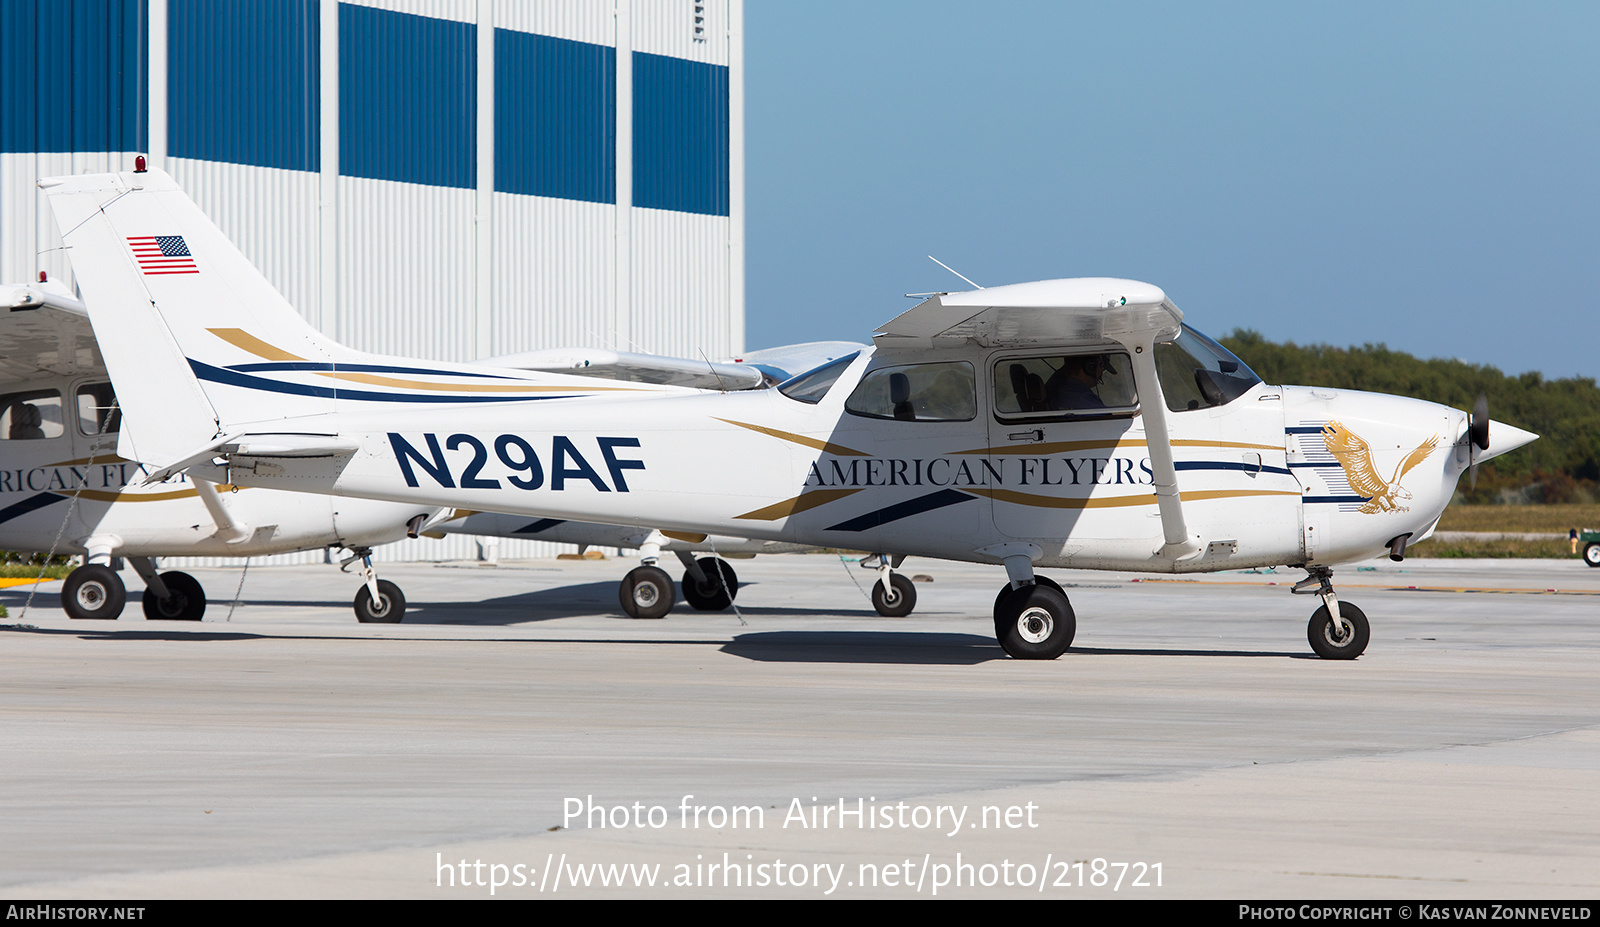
(44, 277)
(138, 164)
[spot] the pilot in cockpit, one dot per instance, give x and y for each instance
(25, 421)
(1072, 386)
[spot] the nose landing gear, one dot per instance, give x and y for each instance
(378, 601)
(1338, 630)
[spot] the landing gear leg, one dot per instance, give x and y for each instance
(1338, 630)
(378, 601)
(169, 596)
(894, 595)
(1032, 618)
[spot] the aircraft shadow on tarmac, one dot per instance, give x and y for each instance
(910, 647)
(574, 601)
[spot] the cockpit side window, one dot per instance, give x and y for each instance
(97, 410)
(917, 393)
(31, 416)
(1198, 373)
(814, 384)
(1060, 387)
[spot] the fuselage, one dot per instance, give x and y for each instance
(957, 464)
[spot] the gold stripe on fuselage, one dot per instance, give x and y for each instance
(837, 450)
(800, 503)
(248, 342)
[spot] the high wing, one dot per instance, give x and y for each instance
(633, 368)
(1082, 310)
(751, 370)
(45, 332)
(1077, 311)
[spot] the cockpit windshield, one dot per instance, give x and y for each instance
(1198, 373)
(812, 385)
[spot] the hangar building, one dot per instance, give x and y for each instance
(448, 179)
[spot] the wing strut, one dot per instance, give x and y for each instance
(1180, 544)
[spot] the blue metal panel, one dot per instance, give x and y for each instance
(555, 117)
(243, 82)
(73, 75)
(680, 134)
(408, 97)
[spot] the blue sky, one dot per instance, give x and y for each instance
(1419, 174)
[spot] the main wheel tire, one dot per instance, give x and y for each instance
(1346, 645)
(896, 601)
(1037, 579)
(389, 609)
(186, 599)
(717, 592)
(646, 592)
(1591, 553)
(1035, 623)
(93, 591)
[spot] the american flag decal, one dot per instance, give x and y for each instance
(163, 254)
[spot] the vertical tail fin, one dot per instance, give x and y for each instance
(174, 303)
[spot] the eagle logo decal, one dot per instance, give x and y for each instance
(1355, 457)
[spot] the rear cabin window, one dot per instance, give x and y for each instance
(31, 416)
(97, 410)
(811, 386)
(1059, 387)
(917, 393)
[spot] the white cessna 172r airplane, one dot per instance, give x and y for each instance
(1068, 423)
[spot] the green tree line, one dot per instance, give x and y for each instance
(1562, 466)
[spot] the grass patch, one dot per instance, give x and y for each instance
(31, 570)
(1554, 519)
(1498, 549)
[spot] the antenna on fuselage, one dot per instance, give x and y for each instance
(713, 368)
(953, 271)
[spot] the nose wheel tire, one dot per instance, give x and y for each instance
(1038, 580)
(717, 592)
(389, 609)
(1343, 643)
(898, 599)
(93, 591)
(1591, 554)
(186, 600)
(1035, 623)
(646, 592)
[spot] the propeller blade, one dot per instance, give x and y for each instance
(1480, 423)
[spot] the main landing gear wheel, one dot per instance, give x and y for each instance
(646, 592)
(186, 599)
(1039, 580)
(389, 609)
(1344, 643)
(93, 591)
(898, 599)
(1035, 623)
(1591, 554)
(716, 593)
